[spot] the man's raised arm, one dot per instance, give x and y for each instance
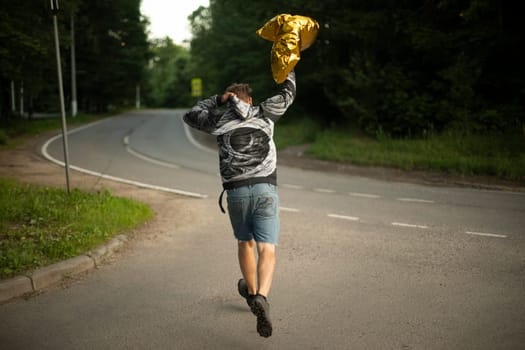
(275, 106)
(202, 116)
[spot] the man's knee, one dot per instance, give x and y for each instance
(246, 244)
(265, 248)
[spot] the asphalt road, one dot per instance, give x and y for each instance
(362, 264)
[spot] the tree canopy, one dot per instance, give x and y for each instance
(111, 52)
(404, 68)
(168, 75)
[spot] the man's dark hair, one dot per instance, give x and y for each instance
(243, 91)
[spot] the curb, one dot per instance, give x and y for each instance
(53, 274)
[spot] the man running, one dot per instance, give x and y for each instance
(248, 161)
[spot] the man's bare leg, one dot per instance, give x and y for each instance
(248, 264)
(259, 304)
(265, 267)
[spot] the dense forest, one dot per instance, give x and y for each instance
(111, 49)
(402, 68)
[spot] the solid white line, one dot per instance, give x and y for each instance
(364, 195)
(193, 141)
(292, 210)
(43, 150)
(324, 190)
(485, 234)
(293, 187)
(46, 154)
(344, 217)
(409, 225)
(416, 200)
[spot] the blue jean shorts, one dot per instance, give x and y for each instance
(254, 213)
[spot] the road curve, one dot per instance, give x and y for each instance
(155, 148)
(362, 264)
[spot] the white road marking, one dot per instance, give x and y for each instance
(485, 234)
(415, 200)
(293, 187)
(409, 225)
(46, 154)
(193, 141)
(504, 192)
(292, 210)
(324, 190)
(343, 217)
(151, 160)
(146, 158)
(364, 195)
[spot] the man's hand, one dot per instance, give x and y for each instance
(226, 96)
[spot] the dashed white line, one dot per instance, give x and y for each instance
(402, 224)
(485, 234)
(291, 210)
(149, 159)
(293, 187)
(364, 195)
(324, 190)
(343, 217)
(415, 200)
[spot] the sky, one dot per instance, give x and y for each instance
(170, 18)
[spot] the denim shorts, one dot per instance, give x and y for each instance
(254, 212)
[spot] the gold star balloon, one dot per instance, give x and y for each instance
(290, 35)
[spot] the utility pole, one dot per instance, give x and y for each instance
(13, 103)
(137, 96)
(74, 106)
(54, 11)
(22, 98)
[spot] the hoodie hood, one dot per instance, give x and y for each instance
(243, 109)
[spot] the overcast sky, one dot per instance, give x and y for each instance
(170, 18)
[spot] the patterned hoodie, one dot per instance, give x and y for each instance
(244, 133)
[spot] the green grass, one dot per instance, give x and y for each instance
(295, 133)
(42, 225)
(499, 155)
(494, 155)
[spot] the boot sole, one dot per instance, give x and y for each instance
(264, 325)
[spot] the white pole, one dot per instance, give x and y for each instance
(74, 108)
(137, 98)
(22, 98)
(54, 8)
(13, 104)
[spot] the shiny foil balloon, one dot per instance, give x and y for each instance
(290, 35)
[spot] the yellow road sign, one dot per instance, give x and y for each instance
(196, 87)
